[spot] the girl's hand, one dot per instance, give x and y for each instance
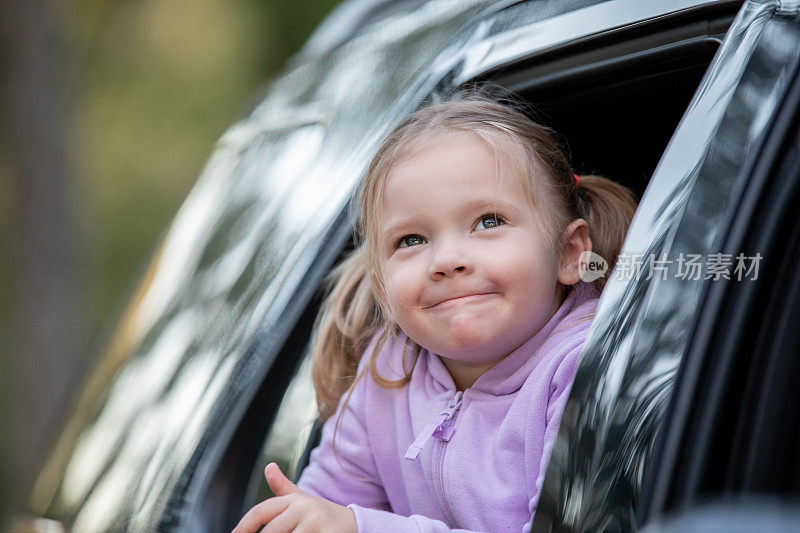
(293, 510)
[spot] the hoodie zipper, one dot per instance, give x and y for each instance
(442, 427)
(445, 432)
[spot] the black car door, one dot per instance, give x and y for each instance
(687, 387)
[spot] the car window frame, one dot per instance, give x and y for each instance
(703, 171)
(718, 433)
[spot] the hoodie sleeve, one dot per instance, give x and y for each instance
(376, 521)
(347, 473)
(344, 470)
(560, 387)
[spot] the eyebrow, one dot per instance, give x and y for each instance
(395, 229)
(491, 205)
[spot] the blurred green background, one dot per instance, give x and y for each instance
(149, 85)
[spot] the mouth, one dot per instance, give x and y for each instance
(467, 298)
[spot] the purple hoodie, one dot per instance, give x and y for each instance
(427, 458)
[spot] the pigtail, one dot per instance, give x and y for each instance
(608, 207)
(347, 320)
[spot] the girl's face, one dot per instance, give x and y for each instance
(468, 271)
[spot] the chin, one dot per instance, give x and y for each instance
(467, 346)
(464, 337)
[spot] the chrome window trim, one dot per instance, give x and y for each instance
(496, 50)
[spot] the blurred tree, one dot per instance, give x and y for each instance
(111, 109)
(47, 319)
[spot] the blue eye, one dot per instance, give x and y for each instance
(410, 240)
(489, 221)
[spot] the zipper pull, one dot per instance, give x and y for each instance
(446, 429)
(438, 427)
(422, 439)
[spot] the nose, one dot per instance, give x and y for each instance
(449, 259)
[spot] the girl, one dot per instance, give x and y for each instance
(465, 296)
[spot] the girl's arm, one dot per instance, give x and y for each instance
(333, 481)
(342, 468)
(293, 510)
(370, 520)
(335, 478)
(560, 385)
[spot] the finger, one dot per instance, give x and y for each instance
(286, 522)
(279, 483)
(261, 514)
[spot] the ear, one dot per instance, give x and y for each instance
(576, 242)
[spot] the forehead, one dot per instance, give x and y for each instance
(447, 147)
(443, 152)
(454, 167)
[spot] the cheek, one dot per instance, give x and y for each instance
(404, 282)
(528, 269)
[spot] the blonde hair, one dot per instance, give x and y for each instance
(357, 306)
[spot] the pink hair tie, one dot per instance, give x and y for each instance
(577, 180)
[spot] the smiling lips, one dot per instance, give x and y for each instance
(473, 297)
